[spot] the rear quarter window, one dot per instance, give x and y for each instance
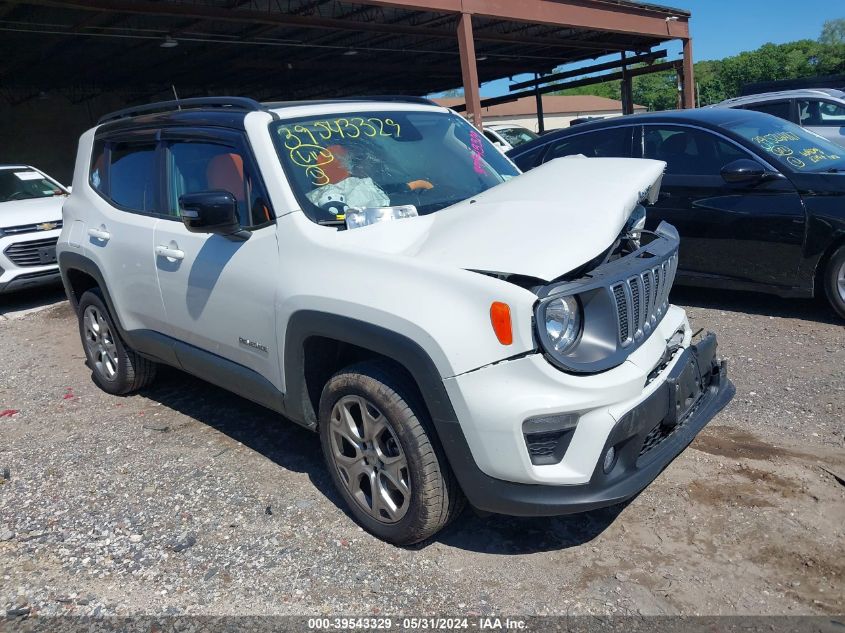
(125, 174)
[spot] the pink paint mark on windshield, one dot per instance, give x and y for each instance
(477, 147)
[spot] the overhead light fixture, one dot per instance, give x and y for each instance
(350, 52)
(481, 58)
(169, 42)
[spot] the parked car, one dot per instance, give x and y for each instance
(585, 119)
(759, 202)
(505, 137)
(819, 110)
(379, 273)
(30, 223)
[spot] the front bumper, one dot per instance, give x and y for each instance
(646, 438)
(14, 276)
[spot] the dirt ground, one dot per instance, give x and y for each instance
(188, 500)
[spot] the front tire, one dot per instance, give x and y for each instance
(383, 456)
(834, 281)
(115, 367)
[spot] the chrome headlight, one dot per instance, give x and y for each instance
(562, 319)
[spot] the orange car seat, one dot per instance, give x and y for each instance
(226, 172)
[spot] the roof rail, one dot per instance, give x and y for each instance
(399, 98)
(395, 98)
(235, 103)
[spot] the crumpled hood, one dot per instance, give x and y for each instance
(542, 224)
(33, 211)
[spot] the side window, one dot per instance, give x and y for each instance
(688, 151)
(612, 142)
(816, 113)
(491, 137)
(779, 109)
(98, 172)
(528, 159)
(199, 166)
(132, 176)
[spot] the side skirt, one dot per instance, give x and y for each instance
(210, 367)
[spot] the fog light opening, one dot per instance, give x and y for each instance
(609, 460)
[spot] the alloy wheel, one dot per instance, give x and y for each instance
(100, 343)
(369, 459)
(840, 281)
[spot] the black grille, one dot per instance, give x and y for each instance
(31, 253)
(548, 447)
(660, 433)
(642, 301)
(622, 311)
(655, 438)
(635, 299)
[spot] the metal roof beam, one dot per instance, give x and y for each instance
(145, 7)
(596, 15)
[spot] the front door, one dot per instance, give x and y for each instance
(747, 232)
(219, 294)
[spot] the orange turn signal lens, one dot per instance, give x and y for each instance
(500, 317)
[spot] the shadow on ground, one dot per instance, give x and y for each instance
(22, 302)
(754, 303)
(297, 449)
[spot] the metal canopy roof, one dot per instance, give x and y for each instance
(299, 49)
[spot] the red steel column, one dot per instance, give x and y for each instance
(689, 76)
(469, 69)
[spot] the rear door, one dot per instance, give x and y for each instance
(824, 117)
(613, 142)
(121, 222)
(748, 232)
(783, 109)
(219, 294)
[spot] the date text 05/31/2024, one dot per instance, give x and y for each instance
(410, 623)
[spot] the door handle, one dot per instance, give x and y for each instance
(99, 234)
(169, 253)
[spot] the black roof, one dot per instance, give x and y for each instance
(227, 112)
(705, 117)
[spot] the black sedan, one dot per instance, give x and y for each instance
(759, 202)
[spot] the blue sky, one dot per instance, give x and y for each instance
(726, 27)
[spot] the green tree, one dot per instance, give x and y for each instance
(833, 32)
(722, 79)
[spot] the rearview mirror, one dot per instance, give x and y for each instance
(745, 171)
(212, 212)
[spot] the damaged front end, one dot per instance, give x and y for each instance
(594, 320)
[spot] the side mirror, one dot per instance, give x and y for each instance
(745, 171)
(212, 212)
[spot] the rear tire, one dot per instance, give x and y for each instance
(115, 367)
(834, 281)
(383, 456)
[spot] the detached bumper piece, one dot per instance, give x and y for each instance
(639, 447)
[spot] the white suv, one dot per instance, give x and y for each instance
(376, 271)
(30, 223)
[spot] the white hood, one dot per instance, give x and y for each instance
(33, 211)
(543, 223)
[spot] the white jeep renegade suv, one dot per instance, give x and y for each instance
(377, 271)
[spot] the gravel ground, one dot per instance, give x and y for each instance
(187, 500)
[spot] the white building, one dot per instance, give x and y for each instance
(558, 110)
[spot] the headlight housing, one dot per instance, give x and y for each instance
(594, 323)
(562, 320)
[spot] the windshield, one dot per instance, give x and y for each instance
(792, 146)
(516, 136)
(430, 160)
(23, 184)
